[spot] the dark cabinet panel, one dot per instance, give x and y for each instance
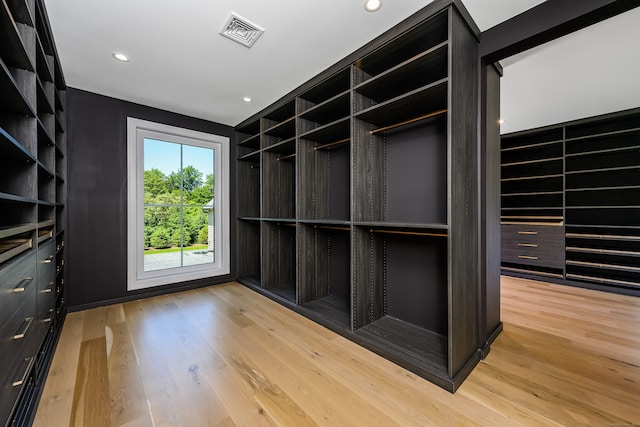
(366, 215)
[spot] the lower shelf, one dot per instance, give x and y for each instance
(416, 349)
(333, 309)
(287, 293)
(413, 344)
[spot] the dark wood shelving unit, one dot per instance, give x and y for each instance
(367, 216)
(600, 199)
(32, 202)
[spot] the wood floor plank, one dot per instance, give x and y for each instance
(91, 400)
(57, 396)
(228, 356)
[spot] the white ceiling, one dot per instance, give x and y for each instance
(180, 63)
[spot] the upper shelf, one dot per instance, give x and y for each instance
(327, 89)
(12, 49)
(12, 99)
(426, 100)
(21, 12)
(427, 35)
(420, 70)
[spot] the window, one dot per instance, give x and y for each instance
(178, 204)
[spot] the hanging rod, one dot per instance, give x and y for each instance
(331, 144)
(287, 157)
(530, 217)
(426, 116)
(411, 233)
(327, 227)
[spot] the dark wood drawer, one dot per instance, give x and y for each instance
(537, 245)
(12, 383)
(17, 294)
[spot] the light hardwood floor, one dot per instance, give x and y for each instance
(225, 355)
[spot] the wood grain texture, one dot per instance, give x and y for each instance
(225, 356)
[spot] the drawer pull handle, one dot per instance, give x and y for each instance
(24, 376)
(48, 261)
(527, 257)
(27, 323)
(22, 285)
(530, 233)
(528, 245)
(47, 320)
(49, 289)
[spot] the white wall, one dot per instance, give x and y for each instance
(593, 71)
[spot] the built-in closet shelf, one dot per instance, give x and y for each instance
(12, 48)
(251, 142)
(417, 345)
(330, 133)
(588, 175)
(21, 12)
(16, 198)
(332, 87)
(408, 107)
(423, 69)
(285, 147)
(348, 211)
(284, 129)
(12, 149)
(12, 98)
(325, 222)
(43, 66)
(32, 197)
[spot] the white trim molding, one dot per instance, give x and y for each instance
(137, 131)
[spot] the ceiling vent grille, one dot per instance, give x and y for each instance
(241, 30)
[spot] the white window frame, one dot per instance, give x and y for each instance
(137, 131)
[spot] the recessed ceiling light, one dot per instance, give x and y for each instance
(246, 99)
(501, 121)
(121, 57)
(372, 5)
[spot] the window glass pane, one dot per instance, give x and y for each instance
(178, 202)
(162, 230)
(198, 233)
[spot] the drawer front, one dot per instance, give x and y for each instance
(541, 246)
(22, 344)
(17, 294)
(12, 385)
(14, 271)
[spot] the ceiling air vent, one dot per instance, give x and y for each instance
(242, 31)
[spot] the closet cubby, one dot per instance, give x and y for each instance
(369, 220)
(532, 177)
(609, 256)
(428, 67)
(248, 138)
(401, 173)
(330, 111)
(279, 180)
(279, 259)
(324, 171)
(403, 49)
(249, 261)
(279, 125)
(32, 200)
(248, 173)
(402, 291)
(326, 91)
(325, 272)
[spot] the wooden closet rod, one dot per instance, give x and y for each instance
(326, 227)
(331, 144)
(411, 233)
(287, 157)
(417, 119)
(530, 217)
